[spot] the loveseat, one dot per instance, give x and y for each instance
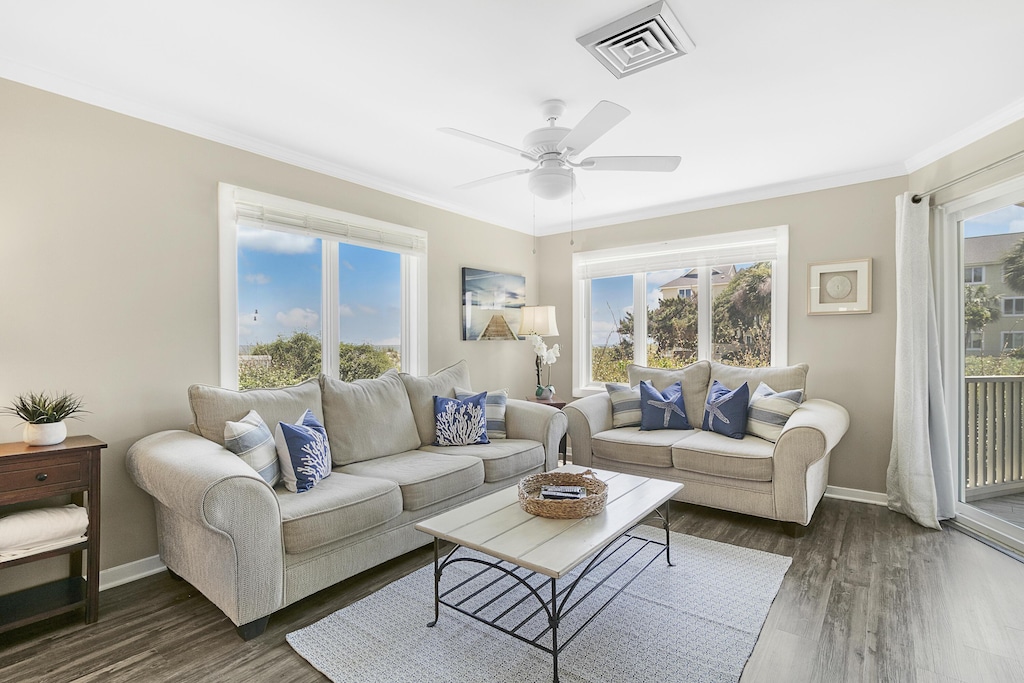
(253, 548)
(752, 475)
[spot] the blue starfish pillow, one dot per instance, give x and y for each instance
(725, 411)
(662, 410)
(460, 423)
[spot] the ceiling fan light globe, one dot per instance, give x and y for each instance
(551, 182)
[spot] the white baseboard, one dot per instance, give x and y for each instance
(131, 571)
(857, 495)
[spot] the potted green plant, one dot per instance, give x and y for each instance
(44, 416)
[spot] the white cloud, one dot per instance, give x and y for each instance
(298, 319)
(390, 341)
(347, 265)
(602, 333)
(366, 309)
(345, 311)
(257, 279)
(276, 242)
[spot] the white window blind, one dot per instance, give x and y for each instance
(258, 210)
(748, 246)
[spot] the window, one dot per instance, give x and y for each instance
(306, 289)
(1012, 340)
(974, 275)
(975, 341)
(720, 297)
(1013, 305)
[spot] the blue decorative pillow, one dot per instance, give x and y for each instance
(662, 410)
(303, 452)
(725, 412)
(494, 407)
(460, 423)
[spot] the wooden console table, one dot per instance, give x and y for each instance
(30, 473)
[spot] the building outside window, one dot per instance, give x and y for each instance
(1013, 305)
(1012, 340)
(974, 275)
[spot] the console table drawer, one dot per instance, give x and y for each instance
(43, 475)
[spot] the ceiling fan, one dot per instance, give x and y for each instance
(552, 149)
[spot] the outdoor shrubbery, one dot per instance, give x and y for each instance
(297, 358)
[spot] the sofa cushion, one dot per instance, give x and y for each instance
(770, 410)
(303, 453)
(749, 458)
(460, 423)
(726, 410)
(502, 459)
(425, 478)
(422, 390)
(496, 404)
(780, 379)
(368, 418)
(251, 440)
(213, 407)
(339, 506)
(662, 410)
(630, 444)
(694, 379)
(625, 405)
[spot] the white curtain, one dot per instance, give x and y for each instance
(919, 481)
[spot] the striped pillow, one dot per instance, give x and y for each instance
(494, 407)
(770, 410)
(625, 405)
(251, 440)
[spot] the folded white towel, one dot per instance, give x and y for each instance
(34, 528)
(13, 554)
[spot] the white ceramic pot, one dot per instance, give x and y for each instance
(45, 434)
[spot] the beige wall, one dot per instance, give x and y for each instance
(108, 275)
(851, 357)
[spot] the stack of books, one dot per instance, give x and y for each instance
(562, 492)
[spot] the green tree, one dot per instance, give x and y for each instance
(673, 327)
(1013, 268)
(290, 360)
(365, 361)
(741, 317)
(980, 309)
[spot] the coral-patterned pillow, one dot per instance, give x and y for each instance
(460, 423)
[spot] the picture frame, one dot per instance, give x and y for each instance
(839, 287)
(491, 304)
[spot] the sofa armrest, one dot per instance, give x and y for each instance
(219, 521)
(587, 416)
(537, 422)
(800, 457)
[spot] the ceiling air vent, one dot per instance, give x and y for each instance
(639, 41)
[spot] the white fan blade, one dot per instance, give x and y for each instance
(491, 179)
(602, 118)
(631, 163)
(490, 143)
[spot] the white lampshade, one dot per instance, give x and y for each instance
(538, 320)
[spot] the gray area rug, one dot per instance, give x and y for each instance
(696, 621)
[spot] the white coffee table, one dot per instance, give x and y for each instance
(497, 526)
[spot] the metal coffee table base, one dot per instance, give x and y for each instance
(562, 601)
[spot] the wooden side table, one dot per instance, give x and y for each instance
(30, 473)
(563, 446)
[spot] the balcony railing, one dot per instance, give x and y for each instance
(994, 435)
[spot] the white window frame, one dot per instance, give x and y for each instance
(1013, 300)
(975, 282)
(976, 341)
(1011, 335)
(700, 252)
(238, 205)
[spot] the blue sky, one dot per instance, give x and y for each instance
(999, 222)
(279, 275)
(616, 293)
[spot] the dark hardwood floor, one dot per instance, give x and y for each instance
(870, 597)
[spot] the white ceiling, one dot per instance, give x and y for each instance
(778, 97)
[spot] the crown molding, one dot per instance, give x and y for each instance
(971, 134)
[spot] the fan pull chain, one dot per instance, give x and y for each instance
(572, 206)
(534, 225)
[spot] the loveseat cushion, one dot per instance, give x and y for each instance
(631, 445)
(694, 379)
(337, 507)
(213, 407)
(368, 418)
(749, 458)
(502, 459)
(425, 478)
(779, 379)
(422, 390)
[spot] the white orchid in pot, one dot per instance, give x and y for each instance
(545, 356)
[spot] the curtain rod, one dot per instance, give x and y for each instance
(918, 197)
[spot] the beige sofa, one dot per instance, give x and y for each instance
(253, 549)
(782, 481)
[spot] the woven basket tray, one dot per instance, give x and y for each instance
(592, 504)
